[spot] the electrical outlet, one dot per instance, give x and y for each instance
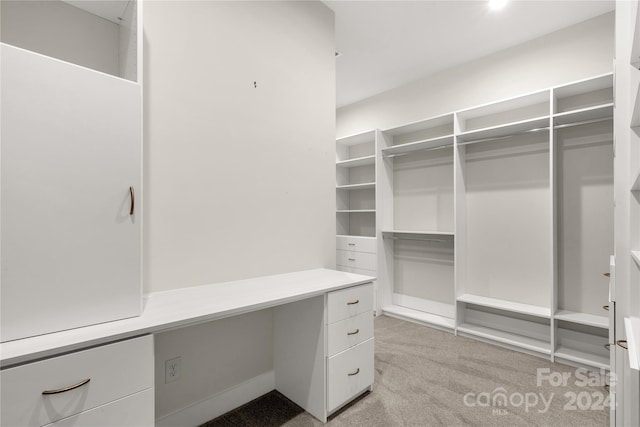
(172, 369)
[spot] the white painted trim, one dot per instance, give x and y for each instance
(220, 403)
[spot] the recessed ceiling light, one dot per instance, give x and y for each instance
(497, 4)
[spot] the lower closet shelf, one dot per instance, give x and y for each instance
(581, 357)
(418, 316)
(503, 337)
(582, 318)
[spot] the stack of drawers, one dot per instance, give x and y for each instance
(356, 254)
(349, 344)
(55, 392)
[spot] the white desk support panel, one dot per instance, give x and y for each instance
(302, 296)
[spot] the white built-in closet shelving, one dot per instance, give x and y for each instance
(415, 216)
(356, 203)
(632, 323)
(496, 222)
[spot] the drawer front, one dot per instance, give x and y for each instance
(362, 260)
(362, 271)
(349, 332)
(132, 411)
(115, 371)
(359, 244)
(349, 302)
(349, 373)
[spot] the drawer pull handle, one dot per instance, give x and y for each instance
(351, 244)
(605, 307)
(71, 387)
(353, 302)
(607, 274)
(354, 332)
(607, 346)
(352, 259)
(623, 344)
(133, 201)
(354, 373)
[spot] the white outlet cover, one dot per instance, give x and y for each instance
(172, 368)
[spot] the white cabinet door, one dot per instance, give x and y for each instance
(71, 148)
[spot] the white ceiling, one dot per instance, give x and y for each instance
(385, 44)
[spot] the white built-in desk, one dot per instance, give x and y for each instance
(309, 306)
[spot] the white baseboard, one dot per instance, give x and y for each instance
(207, 409)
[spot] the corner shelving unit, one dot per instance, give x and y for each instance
(356, 203)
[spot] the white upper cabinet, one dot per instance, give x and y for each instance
(71, 192)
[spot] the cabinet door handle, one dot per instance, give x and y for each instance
(352, 259)
(133, 201)
(69, 388)
(605, 307)
(351, 244)
(623, 344)
(353, 302)
(607, 346)
(354, 373)
(607, 388)
(354, 332)
(607, 274)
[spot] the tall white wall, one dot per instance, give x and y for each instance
(576, 52)
(238, 178)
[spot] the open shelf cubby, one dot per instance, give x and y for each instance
(355, 184)
(512, 329)
(104, 36)
(582, 344)
(523, 114)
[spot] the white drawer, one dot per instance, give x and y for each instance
(349, 332)
(354, 259)
(362, 271)
(115, 371)
(354, 243)
(349, 302)
(132, 411)
(349, 373)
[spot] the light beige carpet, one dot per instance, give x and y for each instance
(425, 377)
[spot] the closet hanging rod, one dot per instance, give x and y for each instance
(439, 147)
(584, 122)
(414, 238)
(567, 125)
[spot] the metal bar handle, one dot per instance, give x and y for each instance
(354, 373)
(65, 389)
(133, 201)
(607, 346)
(605, 307)
(354, 332)
(623, 344)
(353, 302)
